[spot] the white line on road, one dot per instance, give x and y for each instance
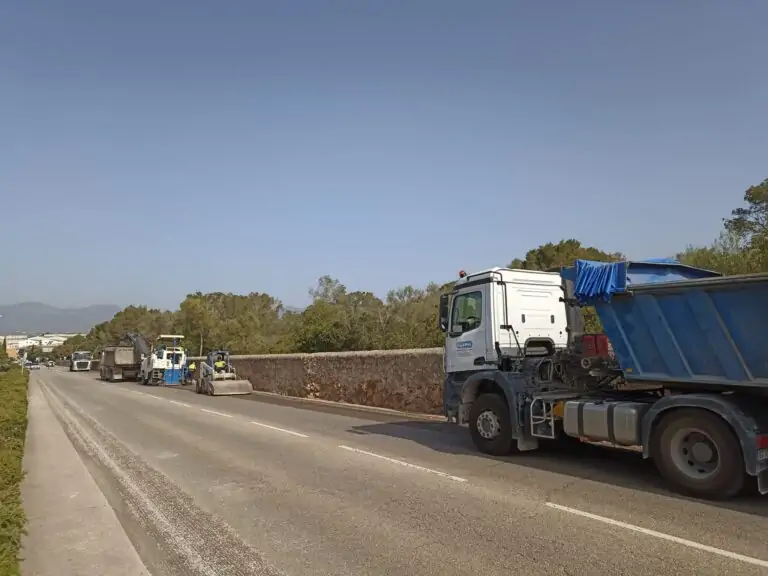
(217, 413)
(406, 464)
(280, 429)
(148, 395)
(661, 535)
(180, 403)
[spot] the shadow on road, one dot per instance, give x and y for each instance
(571, 458)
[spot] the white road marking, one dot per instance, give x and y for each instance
(406, 464)
(300, 435)
(180, 403)
(217, 413)
(662, 536)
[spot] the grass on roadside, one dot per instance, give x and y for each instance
(13, 428)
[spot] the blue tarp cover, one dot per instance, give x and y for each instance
(599, 281)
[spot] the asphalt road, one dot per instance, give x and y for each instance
(224, 486)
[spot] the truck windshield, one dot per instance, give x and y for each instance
(174, 358)
(81, 356)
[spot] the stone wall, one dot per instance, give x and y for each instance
(408, 380)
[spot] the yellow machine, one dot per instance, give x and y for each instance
(217, 377)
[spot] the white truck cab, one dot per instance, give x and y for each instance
(165, 365)
(502, 311)
(80, 361)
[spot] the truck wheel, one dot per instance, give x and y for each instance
(490, 426)
(698, 454)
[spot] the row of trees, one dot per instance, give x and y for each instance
(339, 320)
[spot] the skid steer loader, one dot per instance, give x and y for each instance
(217, 377)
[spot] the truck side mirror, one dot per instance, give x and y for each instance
(444, 312)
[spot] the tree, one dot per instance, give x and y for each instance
(564, 253)
(726, 255)
(4, 350)
(328, 290)
(197, 320)
(750, 223)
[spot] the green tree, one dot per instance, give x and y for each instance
(564, 253)
(197, 320)
(328, 290)
(4, 350)
(750, 223)
(726, 255)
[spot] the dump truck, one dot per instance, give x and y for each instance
(218, 377)
(80, 361)
(679, 373)
(119, 363)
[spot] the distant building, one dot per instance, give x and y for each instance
(47, 342)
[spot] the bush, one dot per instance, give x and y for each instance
(13, 429)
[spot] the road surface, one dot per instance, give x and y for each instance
(226, 486)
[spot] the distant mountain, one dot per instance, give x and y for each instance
(36, 318)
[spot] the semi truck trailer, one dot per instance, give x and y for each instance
(680, 371)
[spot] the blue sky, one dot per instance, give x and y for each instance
(255, 146)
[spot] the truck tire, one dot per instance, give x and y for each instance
(490, 425)
(698, 454)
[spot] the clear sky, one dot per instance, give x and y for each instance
(153, 148)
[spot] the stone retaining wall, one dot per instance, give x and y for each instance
(408, 380)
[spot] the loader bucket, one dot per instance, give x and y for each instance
(231, 387)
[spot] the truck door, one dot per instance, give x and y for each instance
(465, 341)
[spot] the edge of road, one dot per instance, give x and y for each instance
(282, 399)
(71, 527)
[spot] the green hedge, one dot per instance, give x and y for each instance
(13, 429)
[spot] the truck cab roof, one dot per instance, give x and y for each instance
(511, 275)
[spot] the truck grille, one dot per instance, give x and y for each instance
(81, 365)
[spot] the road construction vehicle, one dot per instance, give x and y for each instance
(679, 374)
(217, 377)
(164, 364)
(80, 361)
(120, 363)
